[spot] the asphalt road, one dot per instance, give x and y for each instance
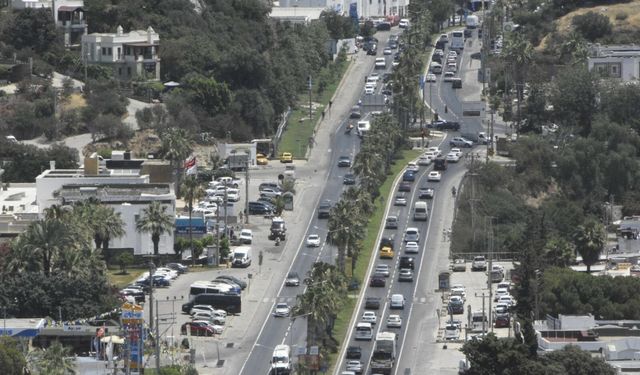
(417, 351)
(275, 331)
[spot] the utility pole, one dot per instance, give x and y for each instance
(151, 270)
(472, 200)
(246, 192)
(226, 216)
(490, 267)
(310, 111)
(157, 339)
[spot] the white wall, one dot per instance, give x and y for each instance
(140, 242)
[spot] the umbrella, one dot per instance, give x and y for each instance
(114, 339)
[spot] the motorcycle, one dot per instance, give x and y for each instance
(349, 128)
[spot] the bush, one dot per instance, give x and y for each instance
(592, 25)
(621, 16)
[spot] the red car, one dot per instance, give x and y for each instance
(197, 329)
(502, 321)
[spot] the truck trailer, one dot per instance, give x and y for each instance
(384, 353)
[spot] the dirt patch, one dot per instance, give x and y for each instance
(631, 22)
(75, 101)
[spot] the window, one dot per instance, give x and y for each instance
(104, 51)
(600, 68)
(110, 51)
(120, 71)
(119, 53)
(614, 70)
(129, 71)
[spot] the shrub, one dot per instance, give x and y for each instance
(621, 16)
(592, 25)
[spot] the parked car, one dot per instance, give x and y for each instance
(459, 265)
(259, 208)
(197, 329)
(502, 321)
(246, 236)
(241, 283)
(479, 263)
(179, 267)
(451, 332)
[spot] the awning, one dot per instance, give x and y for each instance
(114, 339)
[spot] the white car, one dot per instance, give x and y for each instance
(369, 90)
(246, 236)
(369, 317)
(413, 167)
(499, 293)
(394, 321)
(382, 269)
(457, 151)
(173, 274)
(209, 317)
(451, 332)
(449, 76)
(508, 300)
(434, 176)
(452, 54)
(354, 367)
(411, 247)
(460, 292)
(208, 308)
(452, 157)
(270, 193)
(435, 150)
(281, 310)
(313, 240)
(387, 51)
(424, 160)
(430, 77)
(430, 154)
(412, 234)
(456, 299)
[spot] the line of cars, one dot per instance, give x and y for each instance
(265, 204)
(161, 277)
(210, 304)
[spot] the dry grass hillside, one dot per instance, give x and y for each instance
(624, 17)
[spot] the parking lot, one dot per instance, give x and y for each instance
(475, 293)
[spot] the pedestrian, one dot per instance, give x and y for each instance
(330, 103)
(323, 115)
(240, 214)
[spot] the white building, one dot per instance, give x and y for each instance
(18, 208)
(34, 4)
(133, 54)
(127, 185)
(619, 62)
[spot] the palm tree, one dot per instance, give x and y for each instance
(156, 221)
(519, 52)
(54, 360)
(45, 241)
(589, 239)
(113, 227)
(288, 186)
(192, 192)
(176, 147)
(345, 229)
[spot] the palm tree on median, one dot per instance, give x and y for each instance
(156, 221)
(192, 191)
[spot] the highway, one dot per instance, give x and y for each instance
(275, 331)
(417, 351)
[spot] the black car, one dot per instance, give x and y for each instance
(377, 281)
(409, 176)
(393, 44)
(407, 262)
(324, 210)
(404, 186)
(373, 49)
(258, 208)
(355, 112)
(159, 280)
(387, 92)
(354, 352)
(372, 303)
(425, 193)
(383, 26)
(178, 267)
(344, 161)
(456, 308)
(447, 125)
(349, 179)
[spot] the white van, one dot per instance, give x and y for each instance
(363, 127)
(241, 257)
(364, 331)
(397, 301)
(420, 211)
(281, 360)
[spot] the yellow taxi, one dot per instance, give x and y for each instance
(261, 159)
(386, 252)
(286, 157)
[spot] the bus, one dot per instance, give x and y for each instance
(202, 287)
(457, 40)
(364, 331)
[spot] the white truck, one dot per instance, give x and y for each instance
(281, 360)
(241, 257)
(363, 127)
(384, 353)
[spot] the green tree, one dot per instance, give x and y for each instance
(192, 191)
(589, 240)
(156, 221)
(125, 259)
(176, 147)
(592, 25)
(575, 361)
(12, 361)
(339, 27)
(32, 28)
(57, 359)
(345, 230)
(574, 96)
